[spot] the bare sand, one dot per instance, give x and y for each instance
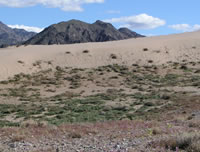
(160, 49)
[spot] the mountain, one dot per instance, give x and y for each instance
(75, 31)
(9, 36)
(129, 33)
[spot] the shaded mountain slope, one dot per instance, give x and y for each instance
(9, 36)
(75, 31)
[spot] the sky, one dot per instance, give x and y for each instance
(148, 17)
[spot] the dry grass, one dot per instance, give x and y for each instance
(18, 138)
(156, 131)
(186, 141)
(26, 132)
(75, 135)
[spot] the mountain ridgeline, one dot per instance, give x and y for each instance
(75, 31)
(9, 36)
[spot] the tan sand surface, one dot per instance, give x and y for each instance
(161, 50)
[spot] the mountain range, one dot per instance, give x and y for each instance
(75, 31)
(9, 36)
(70, 32)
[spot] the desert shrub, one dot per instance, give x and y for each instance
(37, 63)
(86, 51)
(113, 56)
(184, 67)
(114, 77)
(150, 61)
(156, 131)
(75, 135)
(17, 138)
(21, 62)
(197, 71)
(58, 68)
(49, 62)
(165, 97)
(188, 142)
(145, 49)
(18, 45)
(136, 65)
(149, 104)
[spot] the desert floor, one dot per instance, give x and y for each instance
(122, 96)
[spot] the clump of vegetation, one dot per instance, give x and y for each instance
(20, 62)
(86, 51)
(75, 135)
(188, 142)
(150, 61)
(37, 63)
(113, 56)
(49, 62)
(67, 52)
(184, 67)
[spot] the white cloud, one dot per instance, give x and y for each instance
(27, 28)
(66, 5)
(141, 21)
(185, 27)
(113, 12)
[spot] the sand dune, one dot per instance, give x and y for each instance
(161, 50)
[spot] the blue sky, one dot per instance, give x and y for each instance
(149, 17)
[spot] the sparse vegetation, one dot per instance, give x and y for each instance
(121, 93)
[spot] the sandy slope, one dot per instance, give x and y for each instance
(161, 50)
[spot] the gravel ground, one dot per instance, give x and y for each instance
(126, 138)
